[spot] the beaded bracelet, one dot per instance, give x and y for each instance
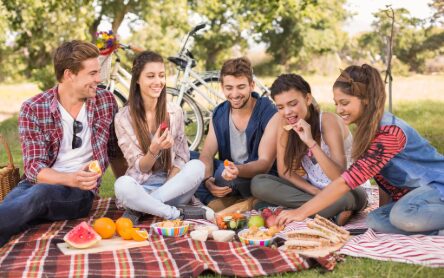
(310, 153)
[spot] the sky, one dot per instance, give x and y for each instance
(360, 22)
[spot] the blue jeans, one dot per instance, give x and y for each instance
(240, 186)
(29, 204)
(421, 211)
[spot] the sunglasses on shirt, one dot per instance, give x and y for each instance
(76, 140)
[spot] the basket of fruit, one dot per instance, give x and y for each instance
(9, 174)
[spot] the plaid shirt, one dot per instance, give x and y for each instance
(41, 131)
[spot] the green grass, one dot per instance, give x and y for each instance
(425, 116)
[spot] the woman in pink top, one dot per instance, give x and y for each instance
(160, 179)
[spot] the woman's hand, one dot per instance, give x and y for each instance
(303, 129)
(161, 141)
(287, 216)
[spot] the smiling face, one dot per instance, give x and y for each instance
(86, 80)
(152, 80)
(237, 90)
(292, 105)
(348, 107)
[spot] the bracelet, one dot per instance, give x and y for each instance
(314, 145)
(154, 155)
(310, 153)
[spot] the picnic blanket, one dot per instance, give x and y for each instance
(34, 253)
(413, 249)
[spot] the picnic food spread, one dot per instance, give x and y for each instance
(321, 237)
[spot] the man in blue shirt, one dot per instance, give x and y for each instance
(243, 131)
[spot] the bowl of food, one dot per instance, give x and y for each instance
(231, 221)
(174, 228)
(257, 236)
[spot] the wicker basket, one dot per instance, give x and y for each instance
(9, 174)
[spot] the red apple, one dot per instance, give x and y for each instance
(266, 212)
(278, 210)
(163, 126)
(270, 221)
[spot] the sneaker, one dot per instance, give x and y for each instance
(191, 212)
(133, 215)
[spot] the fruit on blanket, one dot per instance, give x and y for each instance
(266, 212)
(126, 233)
(94, 166)
(122, 224)
(105, 227)
(82, 236)
(256, 220)
(270, 221)
(139, 235)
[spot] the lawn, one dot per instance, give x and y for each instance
(425, 116)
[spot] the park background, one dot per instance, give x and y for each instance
(314, 38)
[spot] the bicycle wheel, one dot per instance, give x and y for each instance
(211, 89)
(194, 124)
(119, 96)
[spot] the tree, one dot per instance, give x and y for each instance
(227, 23)
(413, 42)
(38, 27)
(295, 30)
(115, 12)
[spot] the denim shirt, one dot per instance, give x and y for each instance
(418, 164)
(263, 110)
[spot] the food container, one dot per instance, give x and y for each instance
(209, 228)
(201, 235)
(223, 235)
(171, 231)
(253, 241)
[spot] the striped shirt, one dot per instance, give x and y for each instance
(388, 142)
(41, 131)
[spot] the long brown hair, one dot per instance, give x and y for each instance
(138, 113)
(295, 148)
(365, 83)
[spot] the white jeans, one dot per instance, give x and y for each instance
(162, 201)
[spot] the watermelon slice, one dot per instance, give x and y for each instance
(82, 236)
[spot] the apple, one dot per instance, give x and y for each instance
(266, 212)
(163, 126)
(270, 221)
(278, 210)
(256, 220)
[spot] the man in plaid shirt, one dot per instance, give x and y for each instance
(61, 131)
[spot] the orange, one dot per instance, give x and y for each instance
(139, 235)
(226, 163)
(105, 227)
(126, 233)
(123, 223)
(94, 166)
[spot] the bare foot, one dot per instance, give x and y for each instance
(343, 217)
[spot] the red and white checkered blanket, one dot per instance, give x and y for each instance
(34, 253)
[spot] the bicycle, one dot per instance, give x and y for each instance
(196, 93)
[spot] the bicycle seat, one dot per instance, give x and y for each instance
(181, 62)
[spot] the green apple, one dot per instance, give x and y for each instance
(256, 220)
